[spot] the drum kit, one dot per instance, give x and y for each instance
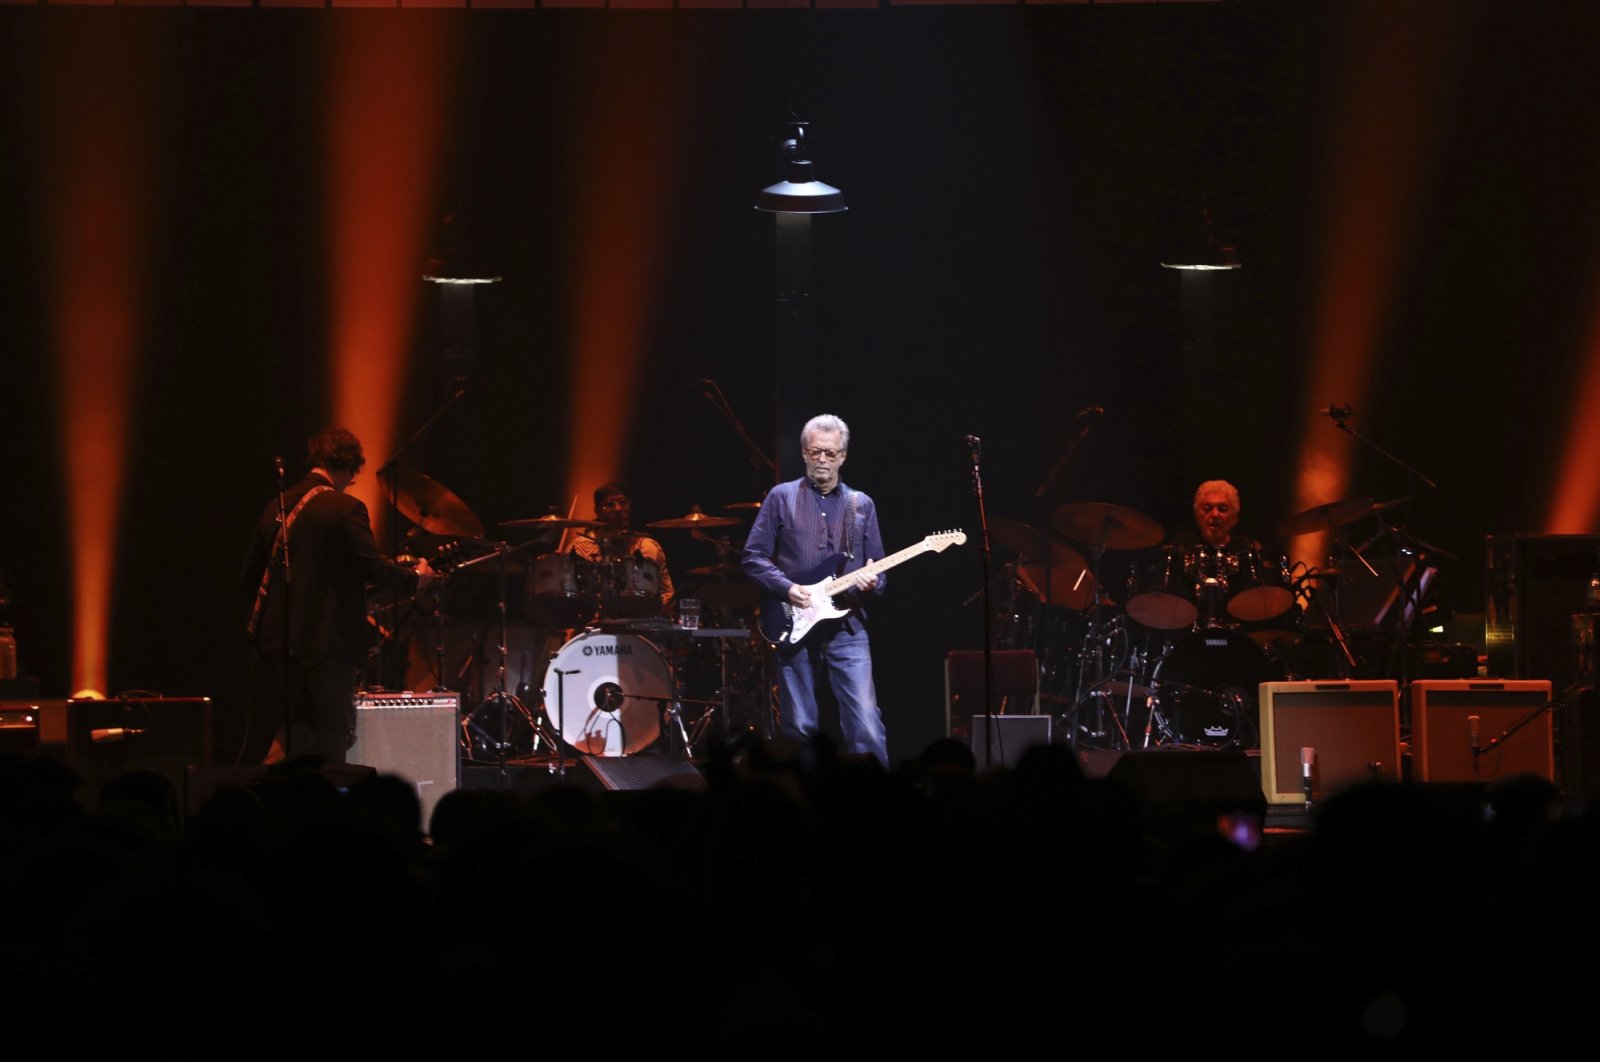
(617, 671)
(1143, 644)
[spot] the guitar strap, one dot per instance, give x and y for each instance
(849, 526)
(278, 544)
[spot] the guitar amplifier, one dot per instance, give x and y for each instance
(414, 736)
(1344, 732)
(1449, 720)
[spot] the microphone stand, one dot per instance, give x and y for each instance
(1496, 742)
(975, 445)
(288, 615)
(758, 456)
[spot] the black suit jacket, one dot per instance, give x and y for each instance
(333, 559)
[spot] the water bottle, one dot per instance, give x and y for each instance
(8, 653)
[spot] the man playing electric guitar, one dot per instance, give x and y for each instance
(810, 530)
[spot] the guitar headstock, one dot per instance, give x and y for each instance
(945, 539)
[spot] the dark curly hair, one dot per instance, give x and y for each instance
(336, 449)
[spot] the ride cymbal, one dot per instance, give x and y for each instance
(548, 521)
(1330, 515)
(426, 503)
(695, 519)
(1106, 526)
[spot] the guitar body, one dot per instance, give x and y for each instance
(784, 624)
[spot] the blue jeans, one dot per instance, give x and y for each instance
(842, 651)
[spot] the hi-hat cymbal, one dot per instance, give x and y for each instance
(1104, 525)
(695, 519)
(549, 521)
(742, 505)
(426, 503)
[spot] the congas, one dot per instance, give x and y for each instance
(1207, 685)
(1161, 590)
(561, 590)
(1260, 588)
(605, 691)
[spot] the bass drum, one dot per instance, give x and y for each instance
(1207, 686)
(605, 693)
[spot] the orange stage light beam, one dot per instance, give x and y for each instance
(634, 118)
(1575, 508)
(391, 83)
(1382, 137)
(101, 97)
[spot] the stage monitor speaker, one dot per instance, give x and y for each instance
(1016, 686)
(101, 739)
(1450, 719)
(1013, 735)
(419, 743)
(645, 772)
(1189, 792)
(1344, 732)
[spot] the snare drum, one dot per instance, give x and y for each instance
(1161, 590)
(1260, 588)
(606, 691)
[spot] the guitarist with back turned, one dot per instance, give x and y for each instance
(808, 531)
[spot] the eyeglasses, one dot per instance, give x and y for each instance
(817, 454)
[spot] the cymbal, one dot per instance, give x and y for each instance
(695, 519)
(1028, 542)
(548, 521)
(426, 503)
(1334, 514)
(1107, 526)
(1070, 586)
(742, 505)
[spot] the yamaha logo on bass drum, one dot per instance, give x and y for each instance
(608, 650)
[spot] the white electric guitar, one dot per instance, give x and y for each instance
(785, 623)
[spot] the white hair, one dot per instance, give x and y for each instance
(1221, 486)
(826, 422)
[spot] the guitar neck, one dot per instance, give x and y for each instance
(882, 565)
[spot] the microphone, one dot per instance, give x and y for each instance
(1089, 412)
(1472, 735)
(1337, 412)
(974, 442)
(1308, 756)
(111, 734)
(277, 462)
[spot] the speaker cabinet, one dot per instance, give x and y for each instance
(421, 744)
(1012, 736)
(644, 772)
(1348, 732)
(1016, 686)
(1445, 714)
(101, 739)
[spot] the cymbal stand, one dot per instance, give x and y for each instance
(502, 698)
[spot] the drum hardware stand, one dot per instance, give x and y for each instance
(502, 698)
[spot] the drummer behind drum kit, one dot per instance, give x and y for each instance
(1163, 646)
(618, 669)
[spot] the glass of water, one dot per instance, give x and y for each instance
(689, 613)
